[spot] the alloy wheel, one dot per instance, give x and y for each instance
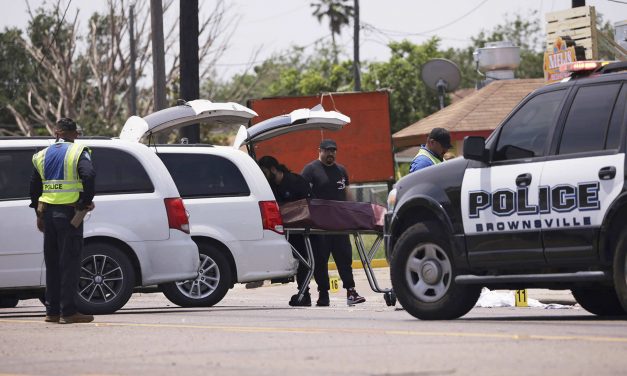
(101, 279)
(206, 282)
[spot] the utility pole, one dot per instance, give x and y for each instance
(131, 27)
(158, 59)
(356, 63)
(578, 3)
(188, 42)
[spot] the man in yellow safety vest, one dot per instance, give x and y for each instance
(431, 153)
(62, 185)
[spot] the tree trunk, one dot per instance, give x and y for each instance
(356, 63)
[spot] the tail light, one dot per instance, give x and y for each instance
(177, 216)
(271, 216)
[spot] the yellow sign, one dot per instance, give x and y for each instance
(521, 298)
(561, 54)
(334, 282)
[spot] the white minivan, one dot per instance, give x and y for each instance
(234, 217)
(138, 235)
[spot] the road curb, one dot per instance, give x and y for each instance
(376, 263)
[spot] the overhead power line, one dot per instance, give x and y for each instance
(426, 32)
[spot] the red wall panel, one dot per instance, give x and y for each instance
(364, 145)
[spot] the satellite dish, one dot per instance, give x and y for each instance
(441, 75)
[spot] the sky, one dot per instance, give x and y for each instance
(272, 26)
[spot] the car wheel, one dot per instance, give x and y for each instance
(106, 281)
(601, 301)
(620, 270)
(423, 276)
(8, 302)
(211, 285)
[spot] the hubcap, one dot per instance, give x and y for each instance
(206, 282)
(428, 272)
(101, 279)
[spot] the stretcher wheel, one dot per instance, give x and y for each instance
(390, 298)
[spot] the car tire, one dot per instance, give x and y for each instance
(211, 285)
(106, 281)
(602, 300)
(8, 302)
(620, 269)
(423, 275)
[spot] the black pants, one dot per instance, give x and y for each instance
(340, 247)
(63, 245)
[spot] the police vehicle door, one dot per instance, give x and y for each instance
(500, 205)
(584, 174)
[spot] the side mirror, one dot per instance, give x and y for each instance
(474, 148)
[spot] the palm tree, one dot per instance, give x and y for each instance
(339, 14)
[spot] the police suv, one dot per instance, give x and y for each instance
(541, 203)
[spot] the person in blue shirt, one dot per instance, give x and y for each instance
(431, 153)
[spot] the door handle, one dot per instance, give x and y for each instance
(607, 173)
(523, 180)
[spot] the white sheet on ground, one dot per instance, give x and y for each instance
(491, 299)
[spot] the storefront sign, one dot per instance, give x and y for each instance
(561, 54)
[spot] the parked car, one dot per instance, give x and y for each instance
(138, 235)
(541, 203)
(234, 217)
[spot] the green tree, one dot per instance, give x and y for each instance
(291, 72)
(339, 14)
(410, 99)
(84, 75)
(15, 68)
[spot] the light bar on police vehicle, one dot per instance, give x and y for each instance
(583, 66)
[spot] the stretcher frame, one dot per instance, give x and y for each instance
(365, 256)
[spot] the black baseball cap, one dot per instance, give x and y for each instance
(67, 124)
(442, 136)
(328, 144)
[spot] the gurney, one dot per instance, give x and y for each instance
(327, 217)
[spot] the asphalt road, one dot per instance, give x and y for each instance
(255, 332)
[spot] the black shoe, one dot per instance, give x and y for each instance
(76, 319)
(352, 297)
(254, 284)
(52, 318)
(323, 299)
(304, 302)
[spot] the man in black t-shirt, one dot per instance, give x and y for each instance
(288, 186)
(329, 181)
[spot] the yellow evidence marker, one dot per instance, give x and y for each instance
(520, 297)
(334, 282)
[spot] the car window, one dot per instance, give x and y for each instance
(16, 168)
(201, 175)
(119, 172)
(613, 132)
(587, 121)
(525, 134)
